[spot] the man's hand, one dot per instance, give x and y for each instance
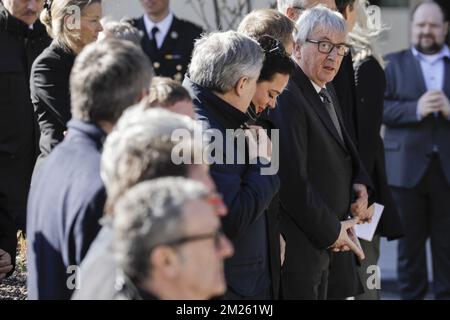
(345, 243)
(359, 207)
(282, 249)
(259, 143)
(5, 263)
(432, 101)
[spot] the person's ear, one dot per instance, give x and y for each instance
(143, 94)
(446, 28)
(241, 85)
(165, 261)
(292, 14)
(346, 12)
(297, 51)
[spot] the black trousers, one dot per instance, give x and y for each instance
(425, 211)
(15, 175)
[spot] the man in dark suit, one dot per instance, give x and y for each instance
(319, 167)
(168, 41)
(22, 39)
(417, 150)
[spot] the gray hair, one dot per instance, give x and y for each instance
(122, 30)
(166, 92)
(220, 59)
(150, 214)
(140, 148)
(318, 17)
(282, 5)
(363, 37)
(108, 77)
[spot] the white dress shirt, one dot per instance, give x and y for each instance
(163, 26)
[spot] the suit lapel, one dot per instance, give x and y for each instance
(170, 41)
(145, 42)
(316, 103)
(446, 87)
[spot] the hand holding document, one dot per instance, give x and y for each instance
(366, 231)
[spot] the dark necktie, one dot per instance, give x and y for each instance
(328, 102)
(155, 30)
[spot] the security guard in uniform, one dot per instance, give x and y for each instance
(168, 41)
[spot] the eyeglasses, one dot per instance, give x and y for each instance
(326, 47)
(299, 8)
(216, 236)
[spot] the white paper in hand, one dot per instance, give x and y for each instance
(367, 230)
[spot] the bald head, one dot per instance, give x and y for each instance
(429, 28)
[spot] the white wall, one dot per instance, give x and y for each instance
(182, 8)
(397, 37)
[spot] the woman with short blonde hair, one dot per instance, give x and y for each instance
(72, 24)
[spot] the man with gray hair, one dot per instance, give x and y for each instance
(168, 243)
(222, 80)
(139, 148)
(294, 8)
(67, 197)
(122, 30)
(319, 165)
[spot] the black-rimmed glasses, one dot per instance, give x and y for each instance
(299, 8)
(326, 47)
(216, 236)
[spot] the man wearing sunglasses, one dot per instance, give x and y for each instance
(168, 243)
(319, 165)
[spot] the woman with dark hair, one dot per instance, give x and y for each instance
(72, 24)
(274, 76)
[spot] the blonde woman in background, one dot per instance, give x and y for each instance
(72, 24)
(370, 85)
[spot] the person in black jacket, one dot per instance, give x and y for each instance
(322, 181)
(168, 41)
(370, 84)
(49, 79)
(362, 108)
(222, 79)
(19, 47)
(273, 31)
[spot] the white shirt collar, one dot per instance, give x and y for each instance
(445, 52)
(163, 25)
(316, 86)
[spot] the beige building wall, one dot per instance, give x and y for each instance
(397, 19)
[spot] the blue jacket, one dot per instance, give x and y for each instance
(65, 203)
(247, 195)
(408, 141)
